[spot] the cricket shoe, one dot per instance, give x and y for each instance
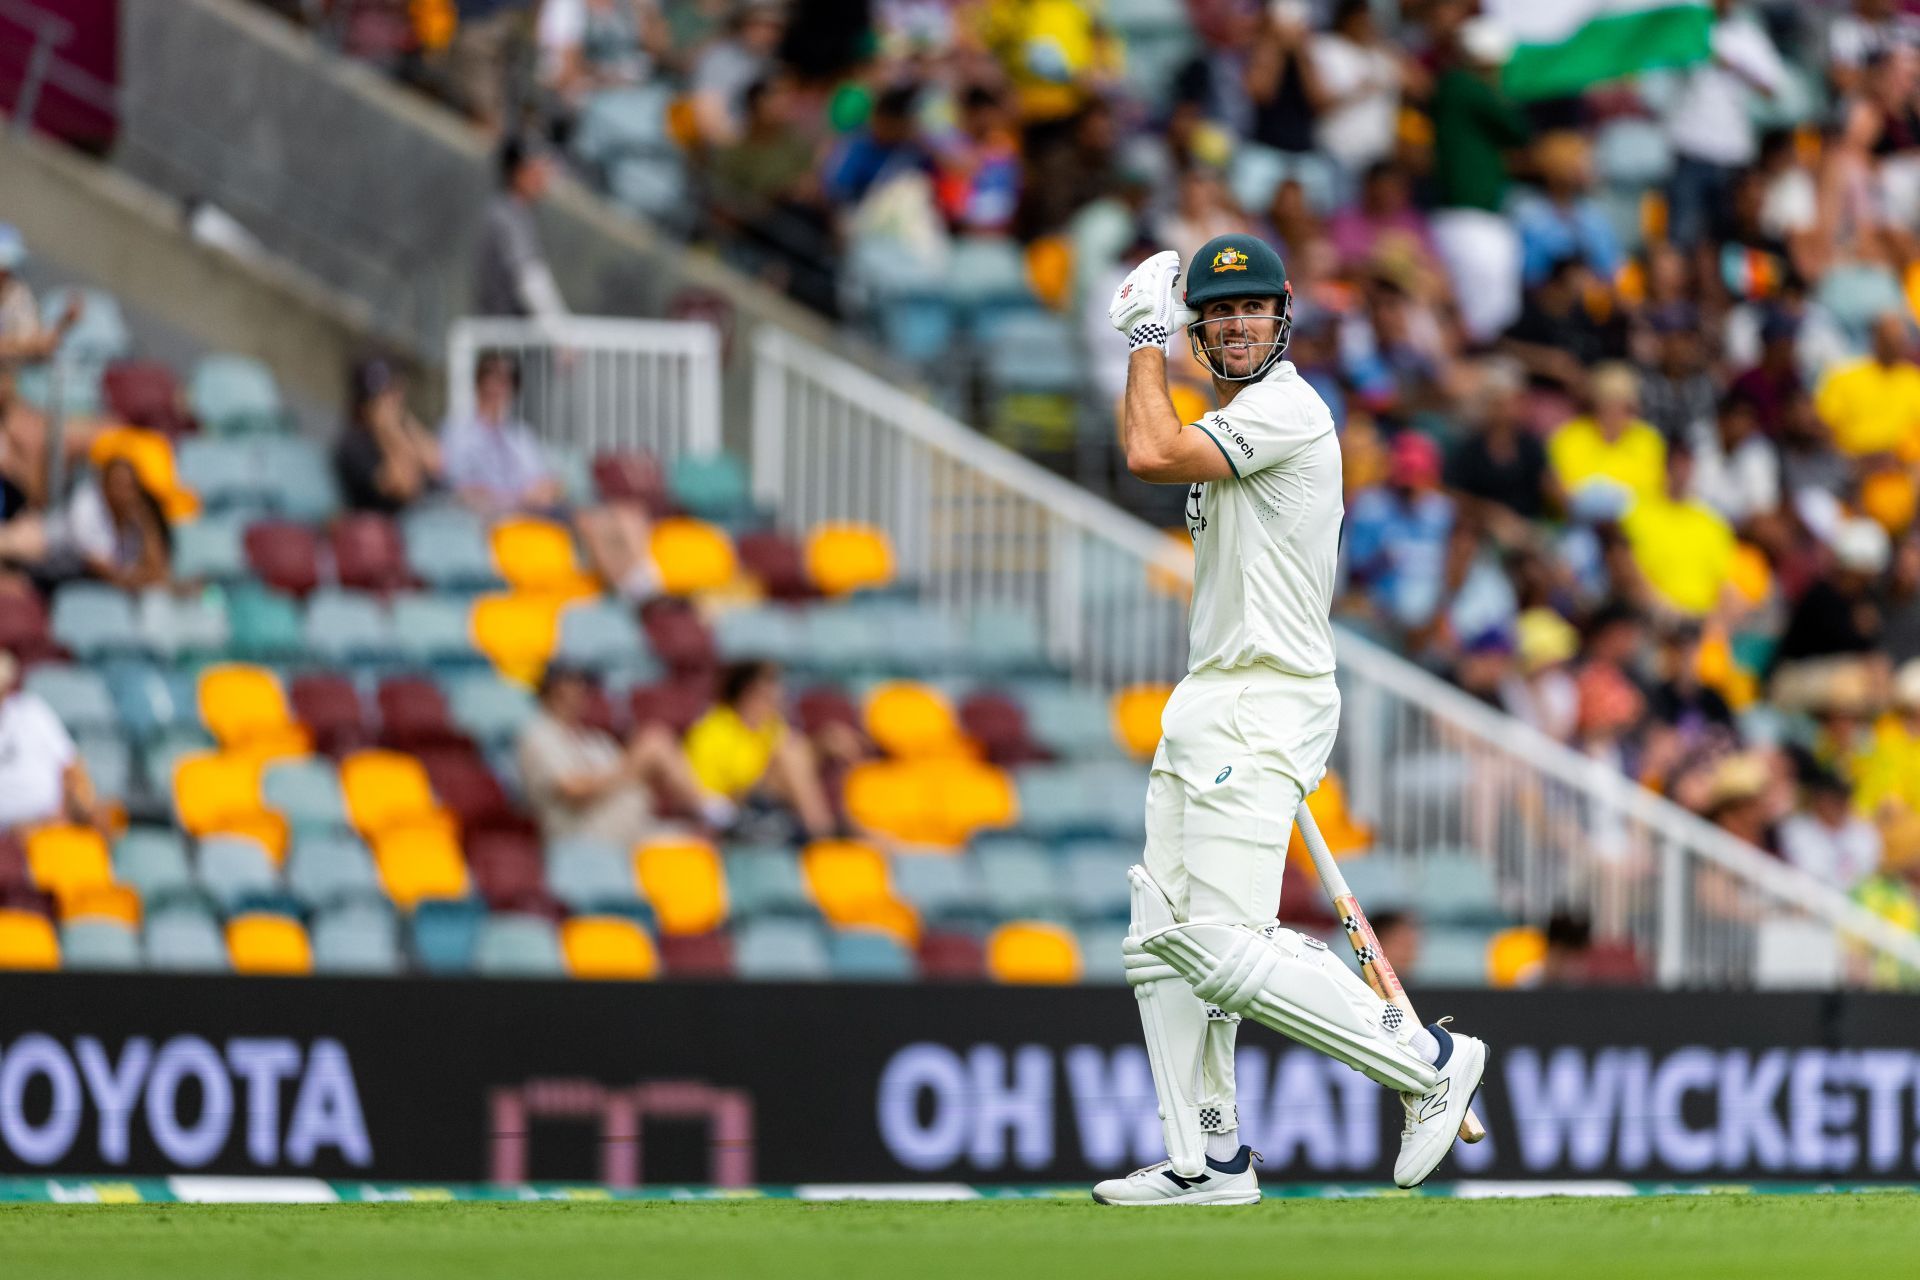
(1223, 1182)
(1433, 1117)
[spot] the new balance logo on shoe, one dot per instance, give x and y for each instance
(1434, 1103)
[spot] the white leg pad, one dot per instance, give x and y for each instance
(1174, 1021)
(1293, 984)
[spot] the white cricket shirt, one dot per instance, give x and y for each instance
(35, 750)
(1267, 540)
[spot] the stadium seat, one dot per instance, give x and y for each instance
(284, 556)
(1033, 952)
(95, 621)
(537, 556)
(447, 547)
(96, 943)
(246, 711)
(592, 877)
(467, 789)
(773, 632)
(848, 557)
(849, 881)
(433, 630)
(414, 715)
(147, 394)
(115, 902)
(678, 636)
(506, 868)
(511, 945)
(1073, 799)
(356, 940)
(1515, 957)
(419, 863)
(329, 706)
(264, 627)
(258, 943)
(235, 395)
(346, 627)
(13, 862)
(27, 941)
(952, 956)
(1452, 956)
(1005, 639)
(713, 487)
(153, 861)
(307, 793)
(943, 888)
(182, 626)
(1458, 888)
(387, 790)
(1094, 876)
(368, 553)
(823, 706)
(517, 632)
(299, 475)
(997, 723)
(216, 792)
(149, 703)
(612, 947)
(184, 940)
(67, 860)
(784, 949)
(1100, 947)
(684, 882)
(930, 802)
(491, 710)
(691, 556)
(674, 703)
(1136, 718)
(151, 456)
(698, 955)
(1017, 877)
(234, 868)
(765, 880)
(777, 563)
(913, 721)
(77, 695)
(225, 475)
(328, 870)
(1072, 721)
(24, 628)
(599, 634)
(212, 547)
(445, 933)
(631, 477)
(868, 955)
(109, 763)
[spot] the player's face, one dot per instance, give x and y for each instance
(1240, 332)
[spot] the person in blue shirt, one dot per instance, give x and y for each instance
(1397, 535)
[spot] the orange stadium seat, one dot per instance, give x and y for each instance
(66, 861)
(850, 883)
(386, 790)
(684, 881)
(1031, 951)
(27, 941)
(538, 556)
(933, 802)
(103, 902)
(260, 942)
(245, 710)
(608, 947)
(908, 720)
(691, 556)
(1136, 717)
(517, 631)
(420, 862)
(848, 557)
(218, 793)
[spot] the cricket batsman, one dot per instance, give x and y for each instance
(1245, 737)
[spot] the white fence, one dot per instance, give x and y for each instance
(599, 385)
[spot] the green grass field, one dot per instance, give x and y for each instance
(1805, 1236)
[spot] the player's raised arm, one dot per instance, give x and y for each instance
(1160, 448)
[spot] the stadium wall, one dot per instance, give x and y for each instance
(112, 1075)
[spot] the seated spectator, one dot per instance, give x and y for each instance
(1569, 945)
(1695, 711)
(42, 778)
(766, 185)
(1887, 787)
(1736, 471)
(1563, 220)
(1556, 338)
(1383, 217)
(582, 781)
(721, 77)
(1502, 464)
(112, 529)
(1397, 535)
(977, 168)
(1872, 405)
(1838, 613)
(385, 459)
(23, 338)
(742, 749)
(590, 45)
(1826, 838)
(887, 146)
(1612, 446)
(493, 460)
(1776, 379)
(1682, 547)
(1677, 393)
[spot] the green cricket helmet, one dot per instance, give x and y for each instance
(1236, 266)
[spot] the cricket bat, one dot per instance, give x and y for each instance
(1374, 965)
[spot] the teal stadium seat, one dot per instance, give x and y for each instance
(149, 701)
(432, 630)
(109, 763)
(712, 488)
(98, 944)
(100, 336)
(358, 939)
(1058, 801)
(1018, 879)
(194, 625)
(764, 880)
(491, 710)
(599, 634)
(445, 933)
(78, 695)
(764, 631)
(1072, 721)
(299, 478)
(307, 793)
(233, 869)
(780, 948)
(1452, 956)
(448, 547)
(236, 395)
(347, 627)
(329, 871)
(94, 621)
(1100, 951)
(944, 889)
(184, 939)
(1383, 881)
(1094, 873)
(923, 639)
(865, 955)
(227, 474)
(153, 862)
(263, 626)
(512, 945)
(1001, 639)
(592, 877)
(1458, 888)
(212, 548)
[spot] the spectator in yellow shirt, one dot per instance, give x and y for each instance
(1682, 546)
(1889, 771)
(1611, 446)
(743, 750)
(1872, 405)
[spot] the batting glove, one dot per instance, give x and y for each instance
(1145, 304)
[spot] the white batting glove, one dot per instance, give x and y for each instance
(1145, 304)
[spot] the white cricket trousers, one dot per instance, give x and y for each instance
(1239, 749)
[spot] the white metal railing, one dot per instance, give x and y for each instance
(975, 526)
(597, 385)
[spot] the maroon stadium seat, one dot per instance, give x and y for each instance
(414, 715)
(700, 955)
(674, 703)
(147, 394)
(285, 555)
(467, 787)
(825, 705)
(955, 957)
(999, 725)
(24, 897)
(329, 705)
(506, 867)
(631, 477)
(13, 864)
(776, 560)
(369, 554)
(23, 625)
(678, 637)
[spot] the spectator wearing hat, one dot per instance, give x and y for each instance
(1543, 693)
(1736, 800)
(493, 459)
(1397, 534)
(112, 528)
(1682, 547)
(1710, 121)
(1826, 838)
(42, 778)
(385, 459)
(23, 338)
(1872, 405)
(582, 781)
(512, 277)
(1611, 446)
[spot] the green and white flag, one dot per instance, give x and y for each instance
(1562, 46)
